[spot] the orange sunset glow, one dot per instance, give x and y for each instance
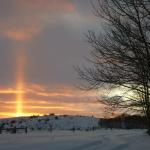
(40, 43)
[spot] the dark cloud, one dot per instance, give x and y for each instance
(52, 55)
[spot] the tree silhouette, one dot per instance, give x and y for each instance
(121, 53)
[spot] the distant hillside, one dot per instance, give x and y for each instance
(53, 122)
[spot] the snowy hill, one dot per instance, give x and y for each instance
(52, 122)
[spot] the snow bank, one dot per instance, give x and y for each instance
(78, 140)
(52, 121)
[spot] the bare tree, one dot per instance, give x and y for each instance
(121, 52)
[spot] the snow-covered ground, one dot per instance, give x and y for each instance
(55, 122)
(79, 140)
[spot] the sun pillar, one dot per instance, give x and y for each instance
(20, 62)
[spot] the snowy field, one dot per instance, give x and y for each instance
(78, 140)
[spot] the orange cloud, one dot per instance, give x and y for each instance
(62, 99)
(17, 32)
(53, 94)
(10, 91)
(58, 99)
(21, 34)
(33, 16)
(18, 36)
(59, 91)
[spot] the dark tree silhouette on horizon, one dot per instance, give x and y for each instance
(120, 54)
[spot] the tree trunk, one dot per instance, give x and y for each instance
(148, 121)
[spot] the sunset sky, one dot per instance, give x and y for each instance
(40, 42)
